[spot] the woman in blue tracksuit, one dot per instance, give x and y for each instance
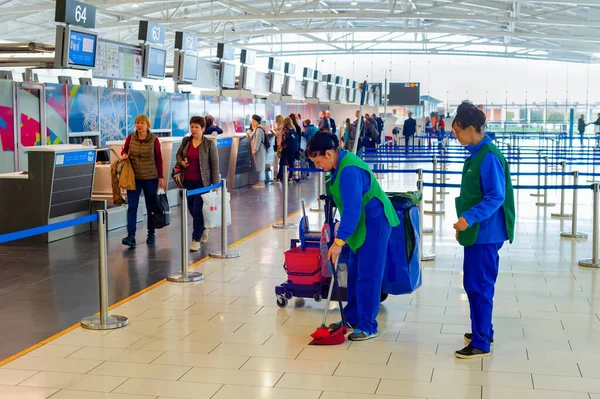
(367, 218)
(486, 219)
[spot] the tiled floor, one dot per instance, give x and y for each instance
(225, 337)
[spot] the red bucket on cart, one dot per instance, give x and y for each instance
(303, 267)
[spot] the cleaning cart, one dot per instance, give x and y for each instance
(309, 277)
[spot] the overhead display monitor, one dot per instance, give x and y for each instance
(208, 75)
(155, 62)
(322, 92)
(289, 86)
(309, 88)
(82, 49)
(248, 77)
(75, 48)
(408, 93)
(190, 67)
(118, 61)
(227, 75)
(276, 81)
(261, 84)
(248, 57)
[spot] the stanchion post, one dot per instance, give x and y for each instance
(574, 233)
(186, 276)
(424, 230)
(321, 183)
(434, 201)
(545, 203)
(224, 253)
(539, 181)
(593, 262)
(425, 257)
(562, 213)
(518, 165)
(284, 224)
(104, 321)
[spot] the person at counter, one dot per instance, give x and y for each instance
(289, 146)
(259, 152)
(142, 148)
(200, 160)
(211, 127)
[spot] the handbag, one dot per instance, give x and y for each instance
(178, 175)
(127, 177)
(161, 214)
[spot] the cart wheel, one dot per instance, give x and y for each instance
(289, 295)
(384, 296)
(282, 301)
(317, 297)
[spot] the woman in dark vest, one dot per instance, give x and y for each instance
(367, 218)
(143, 150)
(199, 157)
(486, 219)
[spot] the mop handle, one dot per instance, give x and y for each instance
(329, 297)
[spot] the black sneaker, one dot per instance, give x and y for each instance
(471, 352)
(129, 241)
(469, 337)
(151, 240)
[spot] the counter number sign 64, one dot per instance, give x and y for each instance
(80, 13)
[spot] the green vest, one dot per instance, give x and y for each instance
(356, 240)
(470, 195)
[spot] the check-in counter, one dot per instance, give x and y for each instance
(57, 186)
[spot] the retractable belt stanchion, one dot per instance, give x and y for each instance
(539, 181)
(545, 203)
(518, 165)
(562, 213)
(186, 276)
(434, 199)
(320, 182)
(424, 256)
(593, 262)
(104, 321)
(424, 230)
(224, 253)
(284, 224)
(574, 233)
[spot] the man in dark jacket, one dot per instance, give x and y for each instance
(379, 122)
(408, 130)
(581, 128)
(330, 122)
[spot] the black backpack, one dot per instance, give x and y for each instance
(266, 141)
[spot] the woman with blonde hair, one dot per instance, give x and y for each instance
(142, 148)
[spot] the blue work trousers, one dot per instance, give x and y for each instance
(480, 269)
(365, 275)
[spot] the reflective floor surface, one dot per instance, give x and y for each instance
(225, 337)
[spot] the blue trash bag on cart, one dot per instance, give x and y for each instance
(403, 273)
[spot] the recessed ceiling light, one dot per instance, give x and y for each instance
(135, 5)
(471, 13)
(472, 27)
(354, 3)
(288, 5)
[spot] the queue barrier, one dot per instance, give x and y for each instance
(104, 321)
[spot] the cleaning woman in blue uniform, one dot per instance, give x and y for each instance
(367, 218)
(486, 219)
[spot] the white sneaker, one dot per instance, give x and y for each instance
(204, 238)
(195, 246)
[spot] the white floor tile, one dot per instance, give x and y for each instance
(12, 392)
(328, 383)
(234, 392)
(177, 389)
(78, 382)
(428, 390)
(31, 362)
(491, 392)
(483, 378)
(136, 370)
(201, 360)
(232, 377)
(291, 366)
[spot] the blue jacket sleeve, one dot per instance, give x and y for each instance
(351, 187)
(493, 184)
